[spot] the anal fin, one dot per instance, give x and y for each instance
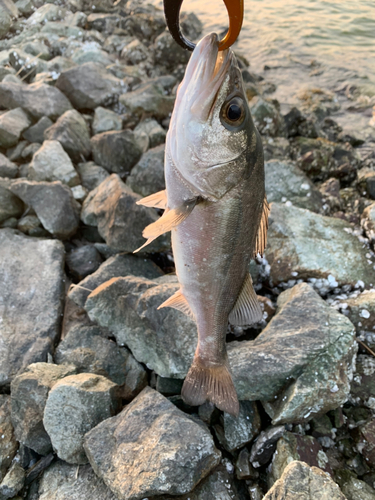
(169, 220)
(178, 301)
(246, 310)
(261, 239)
(156, 200)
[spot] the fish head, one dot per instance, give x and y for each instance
(211, 134)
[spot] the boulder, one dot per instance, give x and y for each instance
(53, 203)
(147, 177)
(134, 52)
(154, 131)
(89, 85)
(29, 392)
(72, 132)
(74, 406)
(112, 208)
(52, 163)
(164, 340)
(302, 245)
(91, 175)
(7, 167)
(352, 487)
(151, 448)
(149, 100)
(301, 364)
(120, 265)
(10, 205)
(47, 12)
(105, 120)
(32, 292)
(8, 442)
(116, 151)
(83, 261)
(12, 124)
(38, 99)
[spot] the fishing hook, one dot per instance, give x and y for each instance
(235, 10)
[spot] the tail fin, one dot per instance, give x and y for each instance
(213, 384)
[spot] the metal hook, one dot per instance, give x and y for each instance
(235, 10)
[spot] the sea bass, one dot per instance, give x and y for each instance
(216, 208)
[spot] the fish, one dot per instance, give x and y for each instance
(216, 209)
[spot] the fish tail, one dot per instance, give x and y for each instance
(212, 383)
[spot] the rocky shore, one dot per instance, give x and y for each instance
(90, 370)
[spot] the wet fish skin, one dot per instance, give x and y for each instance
(216, 209)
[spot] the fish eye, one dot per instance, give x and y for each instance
(233, 112)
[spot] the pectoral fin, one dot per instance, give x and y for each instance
(261, 239)
(178, 301)
(246, 310)
(169, 220)
(156, 200)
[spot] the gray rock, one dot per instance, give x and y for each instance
(13, 482)
(91, 175)
(36, 132)
(29, 151)
(31, 225)
(148, 100)
(12, 124)
(266, 117)
(10, 205)
(62, 481)
(7, 167)
(89, 85)
(74, 406)
(145, 26)
(26, 66)
(38, 49)
(360, 310)
(72, 132)
(59, 64)
(244, 469)
(29, 392)
(368, 222)
(53, 203)
(352, 487)
(286, 182)
(306, 245)
(168, 54)
(132, 451)
(47, 12)
(301, 482)
(25, 7)
(87, 349)
(79, 193)
(83, 261)
(300, 365)
(155, 132)
(117, 266)
(112, 208)
(102, 22)
(235, 432)
(8, 442)
(105, 120)
(31, 306)
(116, 151)
(147, 177)
(82, 55)
(134, 52)
(51, 163)
(38, 99)
(265, 444)
(165, 339)
(8, 11)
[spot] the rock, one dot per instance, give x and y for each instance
(87, 349)
(147, 177)
(266, 117)
(29, 151)
(134, 53)
(366, 442)
(51, 163)
(38, 99)
(79, 193)
(8, 442)
(112, 208)
(92, 54)
(301, 482)
(144, 25)
(118, 266)
(83, 261)
(366, 181)
(165, 339)
(10, 205)
(72, 132)
(62, 481)
(105, 120)
(299, 366)
(47, 12)
(116, 151)
(12, 124)
(53, 203)
(295, 447)
(235, 432)
(286, 182)
(368, 222)
(169, 386)
(13, 482)
(352, 487)
(31, 225)
(264, 446)
(26, 66)
(91, 175)
(244, 469)
(7, 167)
(89, 85)
(168, 54)
(8, 11)
(75, 405)
(29, 392)
(102, 22)
(149, 100)
(155, 132)
(360, 310)
(31, 298)
(132, 451)
(307, 245)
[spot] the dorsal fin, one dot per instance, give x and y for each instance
(261, 239)
(246, 310)
(156, 200)
(169, 220)
(178, 301)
